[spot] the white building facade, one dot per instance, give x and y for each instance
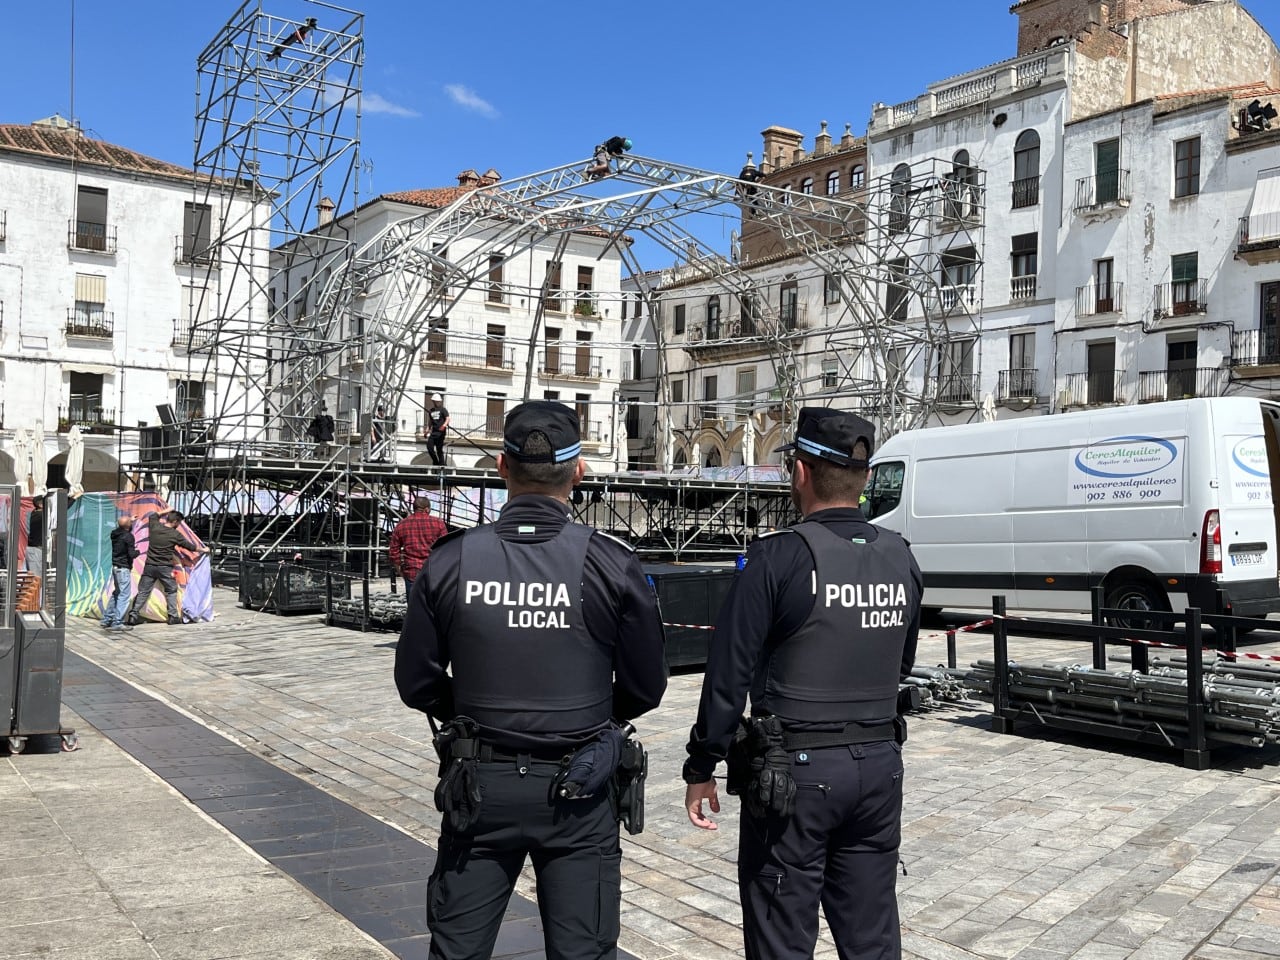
(1108, 255)
(107, 262)
(500, 341)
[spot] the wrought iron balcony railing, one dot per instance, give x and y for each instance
(1017, 383)
(961, 202)
(1181, 298)
(197, 250)
(1257, 234)
(1255, 348)
(87, 413)
(954, 387)
(569, 362)
(1098, 298)
(189, 336)
(1103, 190)
(489, 355)
(1179, 384)
(89, 236)
(1093, 388)
(94, 325)
(1026, 192)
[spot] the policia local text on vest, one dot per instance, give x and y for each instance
(535, 642)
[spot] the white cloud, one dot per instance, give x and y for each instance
(468, 99)
(376, 103)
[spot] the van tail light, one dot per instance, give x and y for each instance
(1211, 544)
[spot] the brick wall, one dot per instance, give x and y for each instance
(1040, 21)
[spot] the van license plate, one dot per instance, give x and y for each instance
(1247, 559)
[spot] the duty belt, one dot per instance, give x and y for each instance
(489, 753)
(851, 734)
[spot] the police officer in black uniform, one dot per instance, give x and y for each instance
(550, 633)
(819, 627)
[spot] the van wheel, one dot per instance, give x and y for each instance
(1135, 595)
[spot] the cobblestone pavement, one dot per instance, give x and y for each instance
(1035, 848)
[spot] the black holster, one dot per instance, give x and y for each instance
(738, 761)
(760, 768)
(457, 795)
(633, 769)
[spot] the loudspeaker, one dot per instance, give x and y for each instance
(166, 414)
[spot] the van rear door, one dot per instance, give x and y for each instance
(1248, 506)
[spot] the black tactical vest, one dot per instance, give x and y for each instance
(521, 656)
(842, 664)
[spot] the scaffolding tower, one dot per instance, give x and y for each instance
(276, 150)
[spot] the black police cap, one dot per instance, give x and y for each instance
(831, 435)
(554, 420)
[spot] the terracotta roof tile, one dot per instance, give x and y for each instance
(437, 197)
(74, 146)
(432, 197)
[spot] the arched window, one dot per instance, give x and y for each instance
(857, 176)
(712, 459)
(961, 190)
(899, 201)
(681, 459)
(1026, 169)
(786, 193)
(713, 318)
(806, 185)
(833, 183)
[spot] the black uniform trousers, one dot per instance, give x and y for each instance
(577, 861)
(839, 848)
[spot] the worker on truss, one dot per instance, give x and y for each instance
(298, 34)
(749, 175)
(605, 153)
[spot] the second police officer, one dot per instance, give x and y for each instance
(530, 639)
(818, 629)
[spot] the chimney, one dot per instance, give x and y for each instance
(822, 142)
(846, 141)
(490, 176)
(324, 211)
(468, 178)
(778, 143)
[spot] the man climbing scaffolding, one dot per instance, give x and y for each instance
(605, 154)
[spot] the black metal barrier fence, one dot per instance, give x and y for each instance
(1171, 710)
(347, 599)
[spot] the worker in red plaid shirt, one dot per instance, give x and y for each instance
(412, 539)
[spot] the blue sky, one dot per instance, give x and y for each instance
(521, 86)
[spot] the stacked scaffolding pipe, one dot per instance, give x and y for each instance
(386, 611)
(1242, 703)
(937, 685)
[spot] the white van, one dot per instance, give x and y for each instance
(1162, 504)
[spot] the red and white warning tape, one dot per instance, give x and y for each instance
(965, 629)
(1234, 654)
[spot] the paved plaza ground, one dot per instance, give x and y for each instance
(149, 842)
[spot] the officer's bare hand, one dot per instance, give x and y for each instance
(694, 794)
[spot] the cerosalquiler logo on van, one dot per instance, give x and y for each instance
(1125, 457)
(1250, 455)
